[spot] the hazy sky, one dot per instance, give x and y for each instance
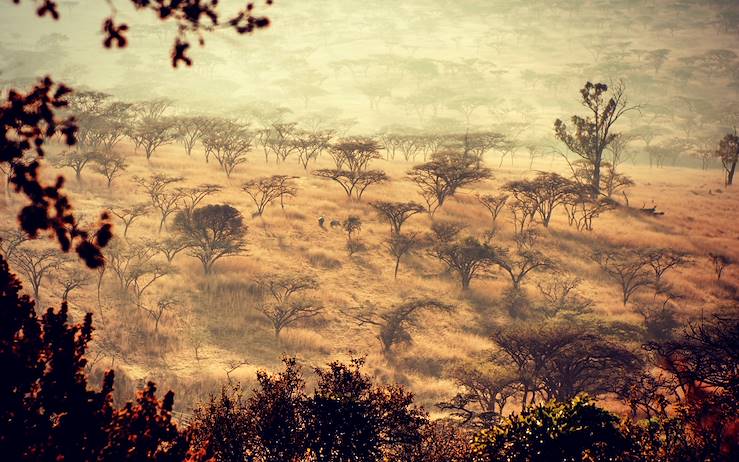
(525, 59)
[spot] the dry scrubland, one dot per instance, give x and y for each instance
(219, 315)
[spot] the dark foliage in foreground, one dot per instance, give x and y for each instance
(47, 411)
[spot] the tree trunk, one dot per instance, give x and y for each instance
(730, 174)
(397, 264)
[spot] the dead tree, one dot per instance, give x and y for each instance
(629, 267)
(283, 309)
(396, 213)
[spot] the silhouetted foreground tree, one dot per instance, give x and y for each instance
(346, 418)
(573, 430)
(48, 412)
(191, 16)
(26, 122)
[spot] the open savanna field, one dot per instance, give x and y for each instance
(216, 321)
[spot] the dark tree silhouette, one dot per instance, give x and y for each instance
(572, 430)
(26, 122)
(190, 17)
(349, 418)
(49, 413)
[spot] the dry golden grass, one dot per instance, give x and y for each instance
(220, 314)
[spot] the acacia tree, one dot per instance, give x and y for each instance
(545, 193)
(593, 134)
(395, 325)
(728, 153)
(129, 214)
(170, 247)
(446, 172)
(191, 129)
(486, 389)
(77, 160)
(396, 213)
(310, 144)
(629, 267)
(71, 279)
(190, 198)
(466, 256)
(35, 265)
(265, 190)
(151, 134)
(212, 232)
(494, 204)
(400, 245)
(353, 183)
(162, 197)
(110, 164)
(525, 259)
(663, 260)
(352, 157)
(283, 309)
(560, 292)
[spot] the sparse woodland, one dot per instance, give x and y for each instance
(494, 254)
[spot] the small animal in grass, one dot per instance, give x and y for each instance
(335, 224)
(321, 222)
